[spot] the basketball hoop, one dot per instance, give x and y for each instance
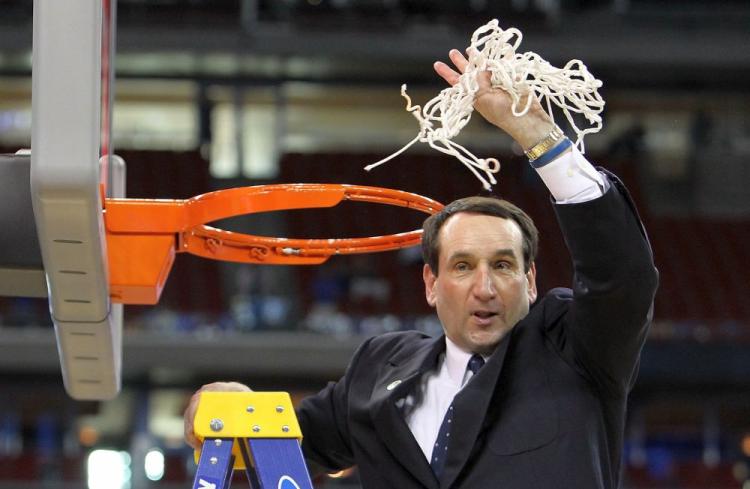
(143, 235)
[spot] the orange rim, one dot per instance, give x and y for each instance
(162, 227)
(189, 217)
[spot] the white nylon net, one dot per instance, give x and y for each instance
(571, 88)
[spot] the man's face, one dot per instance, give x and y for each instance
(481, 290)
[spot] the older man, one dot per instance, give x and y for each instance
(519, 392)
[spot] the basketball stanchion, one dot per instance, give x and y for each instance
(253, 431)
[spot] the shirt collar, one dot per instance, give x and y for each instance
(456, 361)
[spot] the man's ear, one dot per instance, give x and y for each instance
(531, 283)
(429, 285)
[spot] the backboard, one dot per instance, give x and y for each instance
(67, 184)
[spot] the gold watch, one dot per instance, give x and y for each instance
(549, 142)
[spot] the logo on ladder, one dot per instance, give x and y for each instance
(287, 482)
(207, 484)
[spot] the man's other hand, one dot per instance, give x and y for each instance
(189, 416)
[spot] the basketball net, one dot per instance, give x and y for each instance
(523, 76)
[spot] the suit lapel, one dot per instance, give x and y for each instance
(398, 378)
(470, 407)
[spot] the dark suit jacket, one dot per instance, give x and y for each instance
(548, 408)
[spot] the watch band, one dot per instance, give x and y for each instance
(545, 144)
(552, 153)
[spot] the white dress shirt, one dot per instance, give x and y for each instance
(571, 179)
(437, 390)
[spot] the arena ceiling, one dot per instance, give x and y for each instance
(629, 43)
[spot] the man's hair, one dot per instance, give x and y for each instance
(478, 205)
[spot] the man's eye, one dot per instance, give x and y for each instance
(462, 266)
(503, 265)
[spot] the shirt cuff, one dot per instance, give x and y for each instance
(571, 179)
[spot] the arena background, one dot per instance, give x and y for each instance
(222, 93)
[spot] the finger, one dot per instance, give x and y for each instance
(225, 387)
(193, 442)
(484, 79)
(446, 72)
(188, 421)
(458, 59)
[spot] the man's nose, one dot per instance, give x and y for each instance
(484, 287)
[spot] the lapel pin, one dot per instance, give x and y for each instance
(393, 385)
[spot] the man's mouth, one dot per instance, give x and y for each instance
(483, 316)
